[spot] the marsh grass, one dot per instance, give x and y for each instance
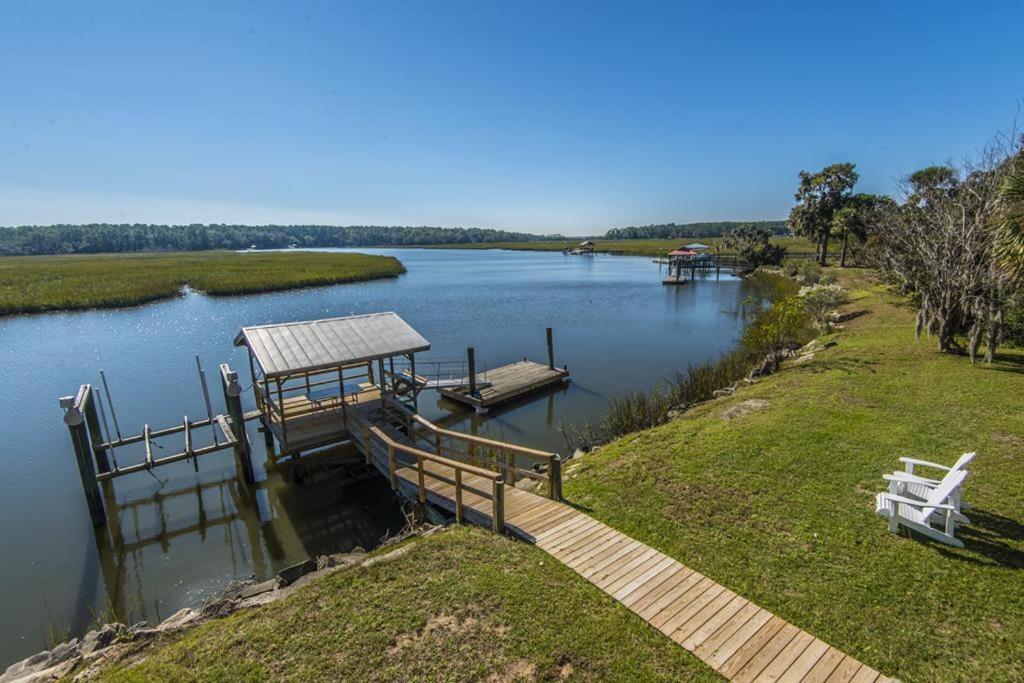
(33, 284)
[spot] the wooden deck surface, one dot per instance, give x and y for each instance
(310, 424)
(732, 635)
(507, 383)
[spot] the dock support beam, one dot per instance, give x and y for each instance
(233, 401)
(74, 418)
(471, 368)
(551, 350)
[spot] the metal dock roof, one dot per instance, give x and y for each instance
(286, 348)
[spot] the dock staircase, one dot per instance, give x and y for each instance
(476, 480)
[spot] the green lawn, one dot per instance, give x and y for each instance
(462, 605)
(626, 247)
(778, 504)
(31, 284)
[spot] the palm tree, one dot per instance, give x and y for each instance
(1011, 221)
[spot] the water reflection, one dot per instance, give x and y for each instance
(325, 504)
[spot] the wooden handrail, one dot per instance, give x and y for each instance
(439, 459)
(554, 469)
(497, 480)
(482, 441)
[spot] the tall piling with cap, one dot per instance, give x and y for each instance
(233, 402)
(74, 418)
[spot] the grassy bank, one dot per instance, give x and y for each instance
(626, 247)
(462, 605)
(31, 284)
(771, 492)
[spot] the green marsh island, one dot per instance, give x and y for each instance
(33, 284)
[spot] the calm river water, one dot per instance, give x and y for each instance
(180, 536)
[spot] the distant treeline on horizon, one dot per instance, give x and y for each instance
(112, 238)
(673, 230)
(106, 237)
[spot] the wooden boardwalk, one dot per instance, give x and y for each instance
(508, 383)
(732, 635)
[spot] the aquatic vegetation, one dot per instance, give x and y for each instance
(33, 284)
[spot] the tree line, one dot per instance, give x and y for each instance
(674, 230)
(111, 238)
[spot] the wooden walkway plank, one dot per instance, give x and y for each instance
(646, 582)
(784, 659)
(642, 598)
(716, 622)
(803, 664)
(751, 646)
(627, 570)
(824, 667)
(845, 670)
(711, 621)
(692, 607)
(764, 655)
(731, 635)
(655, 607)
(596, 547)
(639, 576)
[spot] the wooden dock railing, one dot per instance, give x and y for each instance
(514, 461)
(496, 495)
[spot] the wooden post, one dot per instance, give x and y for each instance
(422, 482)
(233, 402)
(471, 368)
(92, 421)
(75, 421)
(458, 495)
(366, 442)
(498, 511)
(555, 478)
(280, 408)
(437, 442)
(391, 467)
(510, 459)
(551, 350)
(412, 369)
(268, 437)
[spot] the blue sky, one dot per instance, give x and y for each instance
(538, 116)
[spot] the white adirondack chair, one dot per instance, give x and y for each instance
(913, 485)
(918, 515)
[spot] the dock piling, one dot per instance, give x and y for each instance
(551, 350)
(471, 368)
(233, 402)
(75, 420)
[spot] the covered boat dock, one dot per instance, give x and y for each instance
(307, 375)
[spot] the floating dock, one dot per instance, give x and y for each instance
(506, 384)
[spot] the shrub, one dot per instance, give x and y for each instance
(820, 300)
